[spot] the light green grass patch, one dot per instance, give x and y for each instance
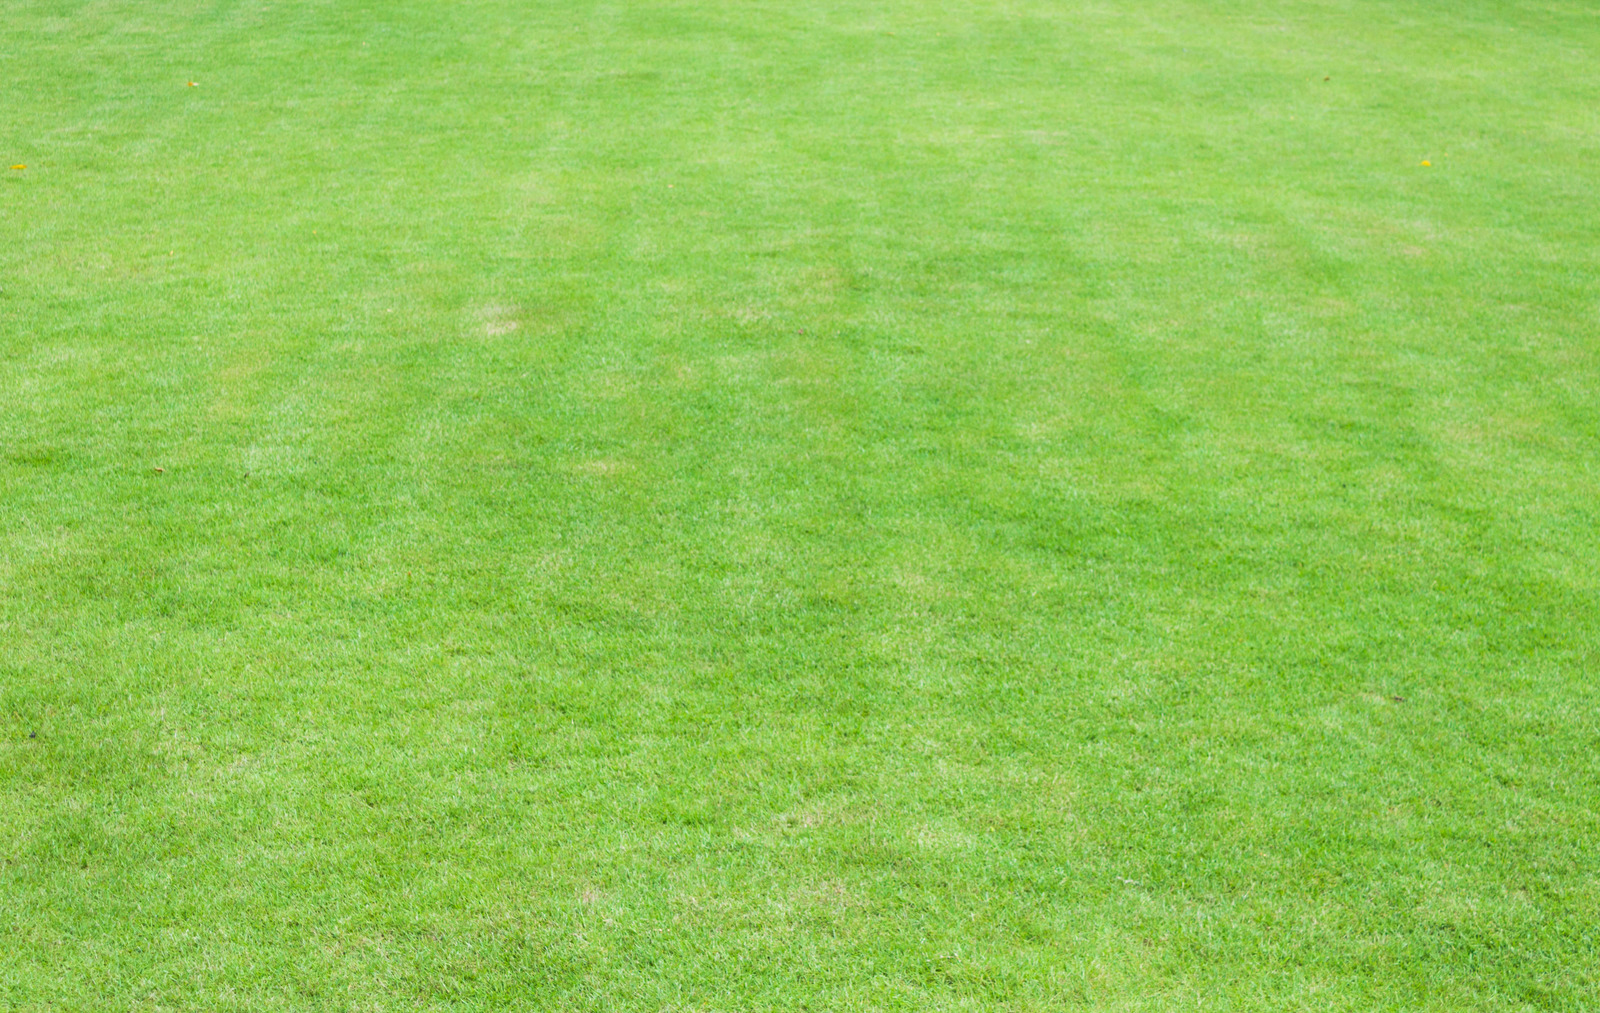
(712, 506)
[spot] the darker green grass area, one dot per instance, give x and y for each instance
(713, 506)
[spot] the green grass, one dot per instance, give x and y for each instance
(994, 504)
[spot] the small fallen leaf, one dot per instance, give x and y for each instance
(161, 471)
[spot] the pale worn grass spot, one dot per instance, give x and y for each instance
(499, 319)
(827, 894)
(603, 466)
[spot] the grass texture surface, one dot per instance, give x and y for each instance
(688, 505)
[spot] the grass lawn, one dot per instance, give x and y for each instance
(711, 505)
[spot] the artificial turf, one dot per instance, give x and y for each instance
(990, 504)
